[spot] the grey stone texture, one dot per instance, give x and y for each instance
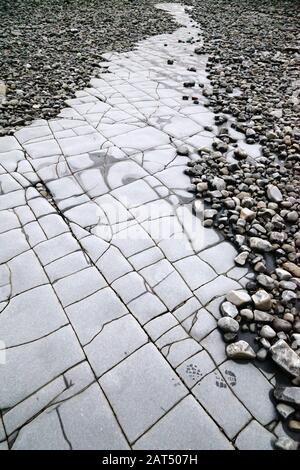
(110, 286)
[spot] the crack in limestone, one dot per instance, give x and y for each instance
(63, 429)
(103, 326)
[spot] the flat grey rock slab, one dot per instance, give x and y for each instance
(218, 287)
(82, 422)
(262, 410)
(157, 327)
(56, 248)
(214, 345)
(255, 437)
(117, 340)
(195, 271)
(79, 285)
(66, 266)
(141, 390)
(8, 250)
(195, 368)
(59, 389)
(200, 324)
(3, 445)
(88, 316)
(21, 278)
(186, 427)
(220, 257)
(217, 397)
(31, 315)
(34, 364)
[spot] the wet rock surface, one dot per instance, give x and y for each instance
(52, 48)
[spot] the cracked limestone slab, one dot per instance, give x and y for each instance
(33, 365)
(195, 368)
(117, 340)
(61, 388)
(262, 410)
(219, 400)
(255, 437)
(85, 421)
(187, 426)
(200, 324)
(141, 390)
(31, 316)
(79, 285)
(89, 315)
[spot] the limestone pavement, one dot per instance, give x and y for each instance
(110, 286)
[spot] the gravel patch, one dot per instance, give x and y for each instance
(51, 48)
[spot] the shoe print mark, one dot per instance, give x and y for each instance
(193, 372)
(231, 377)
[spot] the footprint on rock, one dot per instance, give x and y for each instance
(193, 372)
(220, 382)
(231, 377)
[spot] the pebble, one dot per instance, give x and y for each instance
(284, 410)
(288, 296)
(240, 154)
(289, 285)
(294, 425)
(241, 258)
(240, 350)
(267, 332)
(296, 338)
(265, 281)
(279, 324)
(198, 50)
(261, 354)
(247, 214)
(258, 244)
(182, 150)
(289, 395)
(292, 217)
(228, 324)
(263, 317)
(286, 443)
(286, 358)
(273, 193)
(247, 314)
(282, 274)
(292, 268)
(262, 300)
(218, 183)
(238, 297)
(189, 84)
(277, 237)
(202, 187)
(210, 213)
(265, 343)
(228, 309)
